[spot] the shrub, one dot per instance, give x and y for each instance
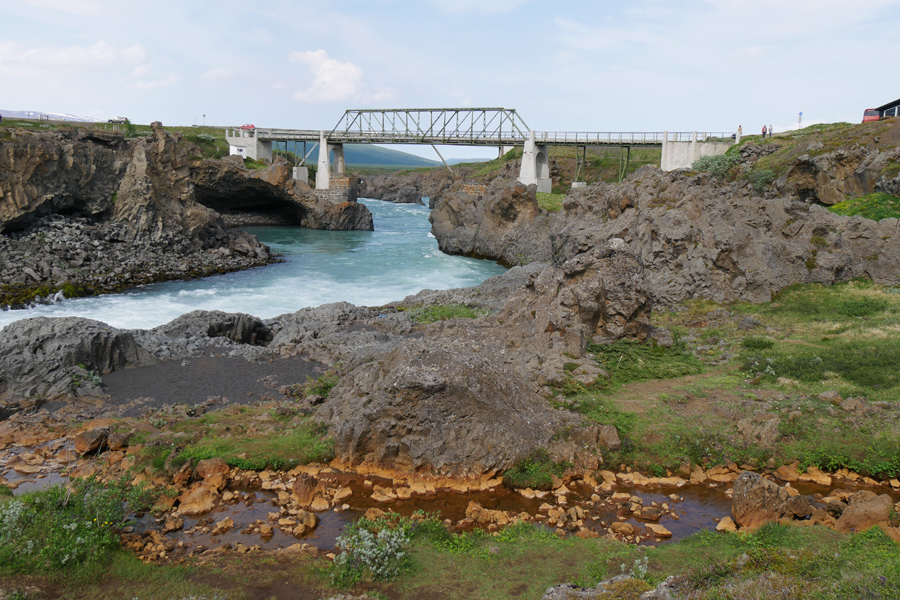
(757, 343)
(379, 555)
(719, 166)
(760, 178)
(321, 386)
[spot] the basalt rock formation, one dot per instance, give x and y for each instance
(270, 195)
(87, 211)
(694, 236)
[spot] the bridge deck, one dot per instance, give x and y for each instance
(478, 138)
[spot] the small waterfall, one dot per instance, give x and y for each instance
(57, 297)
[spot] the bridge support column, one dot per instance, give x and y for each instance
(535, 167)
(323, 174)
(339, 166)
(301, 174)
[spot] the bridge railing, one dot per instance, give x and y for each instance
(496, 138)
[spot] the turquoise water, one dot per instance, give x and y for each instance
(366, 268)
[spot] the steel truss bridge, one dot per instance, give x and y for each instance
(465, 127)
(498, 127)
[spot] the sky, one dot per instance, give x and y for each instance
(637, 65)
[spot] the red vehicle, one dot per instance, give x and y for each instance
(886, 111)
(248, 126)
(871, 114)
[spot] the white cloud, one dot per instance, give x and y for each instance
(78, 7)
(218, 74)
(481, 6)
(156, 84)
(17, 58)
(334, 80)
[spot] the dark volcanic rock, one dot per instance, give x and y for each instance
(411, 187)
(93, 212)
(505, 224)
(442, 404)
(37, 355)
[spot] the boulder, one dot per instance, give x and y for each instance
(91, 440)
(865, 510)
(197, 500)
(757, 501)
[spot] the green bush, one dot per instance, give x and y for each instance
(760, 178)
(380, 555)
(757, 343)
(719, 166)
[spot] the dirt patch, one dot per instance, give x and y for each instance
(192, 381)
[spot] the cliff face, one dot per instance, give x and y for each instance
(42, 174)
(91, 211)
(412, 187)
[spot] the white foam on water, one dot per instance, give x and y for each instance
(365, 268)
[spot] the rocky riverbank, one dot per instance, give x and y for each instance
(86, 211)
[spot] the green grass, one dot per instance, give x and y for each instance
(522, 561)
(875, 206)
(282, 450)
(442, 312)
(71, 531)
(535, 472)
(550, 202)
(865, 367)
(840, 303)
(629, 360)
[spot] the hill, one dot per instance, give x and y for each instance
(367, 155)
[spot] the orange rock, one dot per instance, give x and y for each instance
(658, 530)
(788, 472)
(197, 500)
(726, 524)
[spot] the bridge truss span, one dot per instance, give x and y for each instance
(445, 126)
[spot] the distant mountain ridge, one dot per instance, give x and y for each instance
(368, 155)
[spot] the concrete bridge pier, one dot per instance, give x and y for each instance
(682, 155)
(323, 174)
(535, 167)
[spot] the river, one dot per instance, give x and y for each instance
(366, 268)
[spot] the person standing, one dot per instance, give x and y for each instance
(764, 132)
(740, 131)
(771, 131)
